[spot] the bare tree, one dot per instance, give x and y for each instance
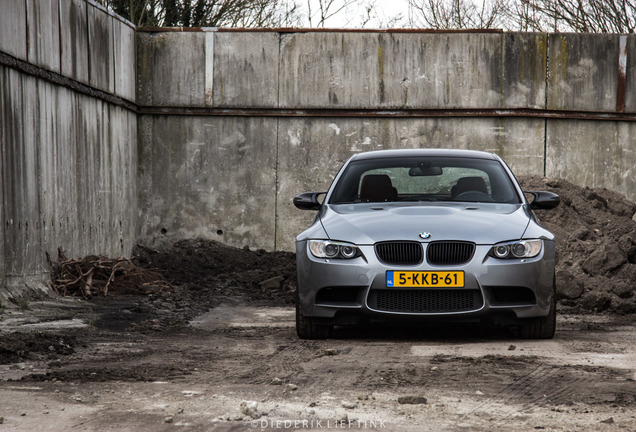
(371, 15)
(590, 16)
(523, 15)
(586, 16)
(458, 14)
(319, 11)
(207, 13)
(139, 12)
(595, 16)
(263, 14)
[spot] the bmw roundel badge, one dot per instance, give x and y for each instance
(425, 235)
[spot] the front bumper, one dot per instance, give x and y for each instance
(343, 291)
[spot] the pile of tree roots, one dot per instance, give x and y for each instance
(101, 276)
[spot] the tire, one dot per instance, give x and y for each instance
(543, 327)
(306, 328)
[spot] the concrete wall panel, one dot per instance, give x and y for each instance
(312, 150)
(44, 34)
(524, 70)
(13, 170)
(246, 69)
(583, 72)
(171, 69)
(22, 238)
(74, 40)
(439, 70)
(13, 34)
(95, 198)
(48, 157)
(131, 184)
(66, 161)
(11, 132)
(29, 199)
(123, 179)
(125, 58)
(594, 154)
(330, 69)
(100, 49)
(411, 70)
(84, 185)
(208, 177)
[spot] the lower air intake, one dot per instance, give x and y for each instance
(425, 301)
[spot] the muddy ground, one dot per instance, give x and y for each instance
(218, 351)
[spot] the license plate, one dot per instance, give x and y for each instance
(426, 279)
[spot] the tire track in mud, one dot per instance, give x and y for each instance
(545, 385)
(282, 358)
(284, 363)
(376, 378)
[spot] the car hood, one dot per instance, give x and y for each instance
(370, 223)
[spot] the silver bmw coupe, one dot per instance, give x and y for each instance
(425, 234)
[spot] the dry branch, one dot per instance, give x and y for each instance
(97, 275)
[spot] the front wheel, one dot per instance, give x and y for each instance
(306, 328)
(543, 327)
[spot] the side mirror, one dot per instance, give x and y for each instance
(308, 200)
(543, 200)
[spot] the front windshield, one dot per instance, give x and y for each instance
(424, 179)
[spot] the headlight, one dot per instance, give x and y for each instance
(333, 249)
(518, 249)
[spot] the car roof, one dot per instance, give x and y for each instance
(429, 152)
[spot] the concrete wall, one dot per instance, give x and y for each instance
(68, 167)
(246, 120)
(407, 70)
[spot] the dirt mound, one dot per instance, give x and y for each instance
(596, 246)
(211, 269)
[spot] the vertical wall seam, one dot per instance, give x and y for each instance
(37, 145)
(88, 39)
(18, 185)
(3, 127)
(502, 98)
(26, 24)
(59, 33)
(545, 105)
(113, 54)
(277, 161)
